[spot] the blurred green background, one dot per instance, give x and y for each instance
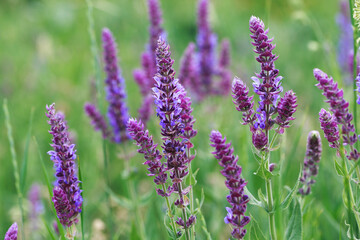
(45, 57)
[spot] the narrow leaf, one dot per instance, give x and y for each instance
(285, 204)
(338, 168)
(50, 232)
(294, 228)
(255, 230)
(253, 200)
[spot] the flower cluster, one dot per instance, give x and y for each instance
(151, 154)
(144, 76)
(311, 161)
(67, 197)
(232, 171)
(115, 95)
(207, 66)
(12, 233)
(267, 84)
(330, 127)
(340, 108)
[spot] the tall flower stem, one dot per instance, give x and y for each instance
(351, 5)
(271, 213)
(169, 212)
(191, 193)
(187, 233)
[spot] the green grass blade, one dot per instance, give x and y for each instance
(82, 207)
(24, 164)
(48, 228)
(48, 184)
(14, 162)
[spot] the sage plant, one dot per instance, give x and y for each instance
(67, 197)
(339, 130)
(232, 171)
(311, 161)
(12, 232)
(174, 111)
(273, 112)
(117, 113)
(198, 75)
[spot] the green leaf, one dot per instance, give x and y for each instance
(253, 200)
(144, 200)
(199, 204)
(262, 200)
(339, 169)
(23, 170)
(203, 222)
(255, 230)
(285, 204)
(134, 233)
(50, 232)
(122, 201)
(169, 230)
(294, 228)
(263, 171)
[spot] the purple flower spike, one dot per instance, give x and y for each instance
(267, 83)
(243, 102)
(156, 29)
(232, 171)
(188, 72)
(206, 42)
(169, 97)
(115, 89)
(97, 120)
(259, 139)
(330, 127)
(67, 194)
(311, 161)
(340, 108)
(151, 154)
(286, 109)
(12, 233)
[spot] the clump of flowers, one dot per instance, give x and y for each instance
(273, 112)
(115, 95)
(174, 111)
(340, 108)
(144, 76)
(67, 197)
(12, 232)
(232, 171)
(311, 161)
(198, 69)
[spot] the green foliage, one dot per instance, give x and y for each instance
(294, 228)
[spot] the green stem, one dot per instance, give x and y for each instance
(169, 212)
(187, 232)
(191, 193)
(270, 210)
(107, 194)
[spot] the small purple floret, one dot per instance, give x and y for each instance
(97, 120)
(330, 127)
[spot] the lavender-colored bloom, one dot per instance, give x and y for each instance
(115, 89)
(267, 83)
(167, 92)
(232, 171)
(36, 206)
(151, 154)
(340, 109)
(67, 194)
(242, 101)
(188, 74)
(330, 127)
(259, 139)
(12, 233)
(206, 43)
(156, 30)
(311, 161)
(97, 120)
(286, 109)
